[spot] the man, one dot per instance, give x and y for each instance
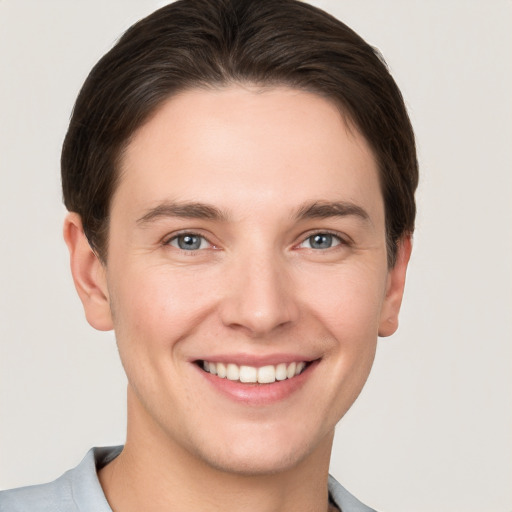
(240, 178)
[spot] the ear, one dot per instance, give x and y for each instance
(89, 275)
(395, 289)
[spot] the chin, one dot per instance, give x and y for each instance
(261, 463)
(263, 454)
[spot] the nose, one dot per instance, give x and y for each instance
(259, 296)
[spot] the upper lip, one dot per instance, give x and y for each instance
(255, 360)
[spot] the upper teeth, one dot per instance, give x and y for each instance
(263, 375)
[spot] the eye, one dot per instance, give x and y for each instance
(321, 241)
(189, 242)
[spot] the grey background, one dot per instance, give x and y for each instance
(432, 429)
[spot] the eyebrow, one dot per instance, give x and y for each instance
(326, 209)
(195, 210)
(184, 210)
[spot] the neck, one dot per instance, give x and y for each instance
(155, 474)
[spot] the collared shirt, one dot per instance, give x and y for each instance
(79, 490)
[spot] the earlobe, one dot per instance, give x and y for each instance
(88, 275)
(395, 289)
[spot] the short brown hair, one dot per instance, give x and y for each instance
(204, 43)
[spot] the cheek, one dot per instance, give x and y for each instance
(155, 307)
(349, 313)
(153, 311)
(348, 310)
(348, 300)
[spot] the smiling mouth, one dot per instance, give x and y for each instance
(254, 375)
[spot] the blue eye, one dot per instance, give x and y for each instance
(189, 242)
(321, 241)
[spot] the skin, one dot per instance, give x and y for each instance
(257, 287)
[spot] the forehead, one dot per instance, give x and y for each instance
(248, 147)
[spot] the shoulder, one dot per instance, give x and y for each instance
(55, 496)
(344, 500)
(76, 490)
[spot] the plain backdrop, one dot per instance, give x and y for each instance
(432, 431)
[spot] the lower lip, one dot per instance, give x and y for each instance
(259, 394)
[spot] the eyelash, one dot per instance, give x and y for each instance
(341, 239)
(184, 234)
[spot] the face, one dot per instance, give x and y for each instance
(246, 276)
